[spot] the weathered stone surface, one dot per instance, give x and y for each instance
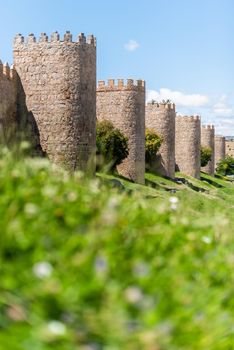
(59, 88)
(208, 140)
(8, 106)
(229, 148)
(124, 106)
(161, 118)
(188, 145)
(219, 149)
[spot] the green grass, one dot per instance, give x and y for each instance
(86, 265)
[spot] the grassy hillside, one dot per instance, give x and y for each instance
(89, 264)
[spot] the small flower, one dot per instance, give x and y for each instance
(42, 269)
(174, 202)
(72, 197)
(30, 209)
(101, 264)
(206, 239)
(133, 295)
(56, 328)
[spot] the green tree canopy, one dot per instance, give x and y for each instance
(206, 155)
(112, 144)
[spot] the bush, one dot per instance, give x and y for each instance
(112, 145)
(152, 144)
(226, 166)
(206, 155)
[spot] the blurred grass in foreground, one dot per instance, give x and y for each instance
(86, 266)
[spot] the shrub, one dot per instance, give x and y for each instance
(226, 166)
(112, 145)
(152, 144)
(206, 155)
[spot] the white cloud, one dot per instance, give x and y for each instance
(178, 97)
(132, 45)
(222, 108)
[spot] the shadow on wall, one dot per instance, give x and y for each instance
(157, 166)
(27, 126)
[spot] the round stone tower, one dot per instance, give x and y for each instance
(187, 145)
(58, 80)
(160, 117)
(220, 151)
(124, 105)
(208, 140)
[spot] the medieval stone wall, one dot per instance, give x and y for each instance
(124, 105)
(229, 148)
(8, 106)
(208, 140)
(161, 118)
(58, 80)
(220, 151)
(187, 145)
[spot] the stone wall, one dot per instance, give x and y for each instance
(161, 118)
(208, 140)
(8, 106)
(219, 149)
(124, 106)
(229, 148)
(187, 145)
(58, 80)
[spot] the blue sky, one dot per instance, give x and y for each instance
(184, 49)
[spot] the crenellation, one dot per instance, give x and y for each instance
(31, 39)
(68, 36)
(121, 84)
(43, 38)
(55, 37)
(162, 105)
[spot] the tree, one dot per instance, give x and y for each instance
(112, 145)
(226, 166)
(206, 155)
(152, 144)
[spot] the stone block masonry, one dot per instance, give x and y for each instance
(8, 98)
(208, 140)
(188, 145)
(160, 117)
(220, 151)
(58, 80)
(124, 105)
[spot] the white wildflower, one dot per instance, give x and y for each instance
(30, 209)
(133, 295)
(206, 239)
(42, 269)
(56, 328)
(174, 202)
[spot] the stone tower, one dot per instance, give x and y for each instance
(8, 106)
(187, 145)
(161, 118)
(208, 140)
(124, 105)
(58, 80)
(220, 151)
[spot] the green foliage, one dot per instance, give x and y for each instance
(226, 166)
(152, 144)
(206, 155)
(112, 145)
(84, 266)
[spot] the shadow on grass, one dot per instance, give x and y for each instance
(211, 182)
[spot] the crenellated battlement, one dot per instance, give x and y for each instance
(188, 117)
(121, 84)
(6, 71)
(208, 127)
(54, 38)
(161, 105)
